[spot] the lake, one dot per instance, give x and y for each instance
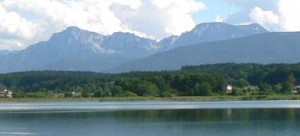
(228, 118)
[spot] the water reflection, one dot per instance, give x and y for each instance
(109, 106)
(186, 122)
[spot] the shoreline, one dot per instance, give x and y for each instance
(180, 98)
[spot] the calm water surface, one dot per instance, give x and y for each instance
(260, 118)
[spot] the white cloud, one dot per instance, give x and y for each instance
(14, 27)
(178, 14)
(11, 44)
(275, 15)
(290, 15)
(267, 19)
(159, 18)
(29, 21)
(219, 19)
(285, 18)
(90, 14)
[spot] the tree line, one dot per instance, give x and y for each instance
(202, 80)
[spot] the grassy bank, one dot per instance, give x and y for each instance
(192, 98)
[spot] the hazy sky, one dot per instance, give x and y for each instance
(25, 22)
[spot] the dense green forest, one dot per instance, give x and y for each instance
(203, 80)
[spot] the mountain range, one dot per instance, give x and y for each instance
(266, 48)
(207, 32)
(80, 50)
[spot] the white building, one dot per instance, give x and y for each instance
(6, 93)
(229, 89)
(296, 90)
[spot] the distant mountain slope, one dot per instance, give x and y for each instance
(208, 32)
(6, 52)
(261, 48)
(4, 55)
(79, 50)
(130, 45)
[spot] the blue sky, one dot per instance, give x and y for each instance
(26, 22)
(214, 8)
